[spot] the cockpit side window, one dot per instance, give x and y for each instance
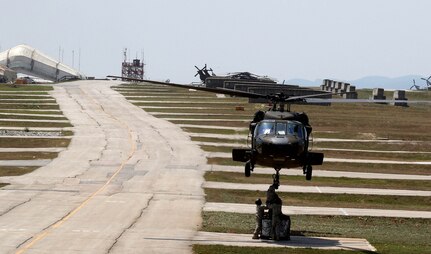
(295, 129)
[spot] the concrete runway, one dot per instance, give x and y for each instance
(127, 180)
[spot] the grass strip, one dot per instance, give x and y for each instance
(220, 249)
(3, 185)
(218, 149)
(31, 117)
(51, 133)
(203, 104)
(378, 156)
(15, 171)
(377, 168)
(223, 161)
(346, 154)
(34, 101)
(230, 110)
(215, 131)
(20, 97)
(192, 98)
(27, 155)
(324, 199)
(236, 117)
(34, 124)
(414, 146)
(41, 112)
(232, 177)
(388, 235)
(33, 142)
(36, 88)
(28, 106)
(344, 166)
(219, 140)
(240, 124)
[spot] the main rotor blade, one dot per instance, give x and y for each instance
(206, 89)
(296, 98)
(316, 100)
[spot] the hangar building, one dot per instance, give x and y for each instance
(27, 60)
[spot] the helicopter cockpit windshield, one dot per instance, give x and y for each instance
(280, 128)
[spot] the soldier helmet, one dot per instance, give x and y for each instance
(258, 201)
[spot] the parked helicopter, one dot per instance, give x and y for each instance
(213, 80)
(280, 138)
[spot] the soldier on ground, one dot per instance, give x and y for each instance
(260, 209)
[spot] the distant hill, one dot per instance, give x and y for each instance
(404, 82)
(304, 82)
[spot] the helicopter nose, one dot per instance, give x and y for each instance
(279, 148)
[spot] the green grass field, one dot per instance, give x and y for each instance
(347, 154)
(18, 88)
(27, 155)
(231, 177)
(388, 235)
(338, 121)
(15, 95)
(408, 169)
(34, 123)
(15, 171)
(219, 249)
(31, 117)
(19, 111)
(33, 142)
(324, 199)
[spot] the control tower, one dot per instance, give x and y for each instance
(134, 69)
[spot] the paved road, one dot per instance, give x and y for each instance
(292, 210)
(316, 189)
(127, 180)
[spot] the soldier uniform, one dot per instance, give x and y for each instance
(260, 209)
(276, 219)
(273, 202)
(271, 195)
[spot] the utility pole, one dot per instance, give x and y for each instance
(79, 59)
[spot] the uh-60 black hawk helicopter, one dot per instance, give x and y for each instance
(279, 138)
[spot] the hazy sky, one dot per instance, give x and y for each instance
(284, 39)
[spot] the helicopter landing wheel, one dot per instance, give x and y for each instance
(247, 169)
(308, 172)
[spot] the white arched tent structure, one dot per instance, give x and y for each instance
(27, 60)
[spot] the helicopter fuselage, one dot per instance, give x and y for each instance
(279, 140)
(278, 151)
